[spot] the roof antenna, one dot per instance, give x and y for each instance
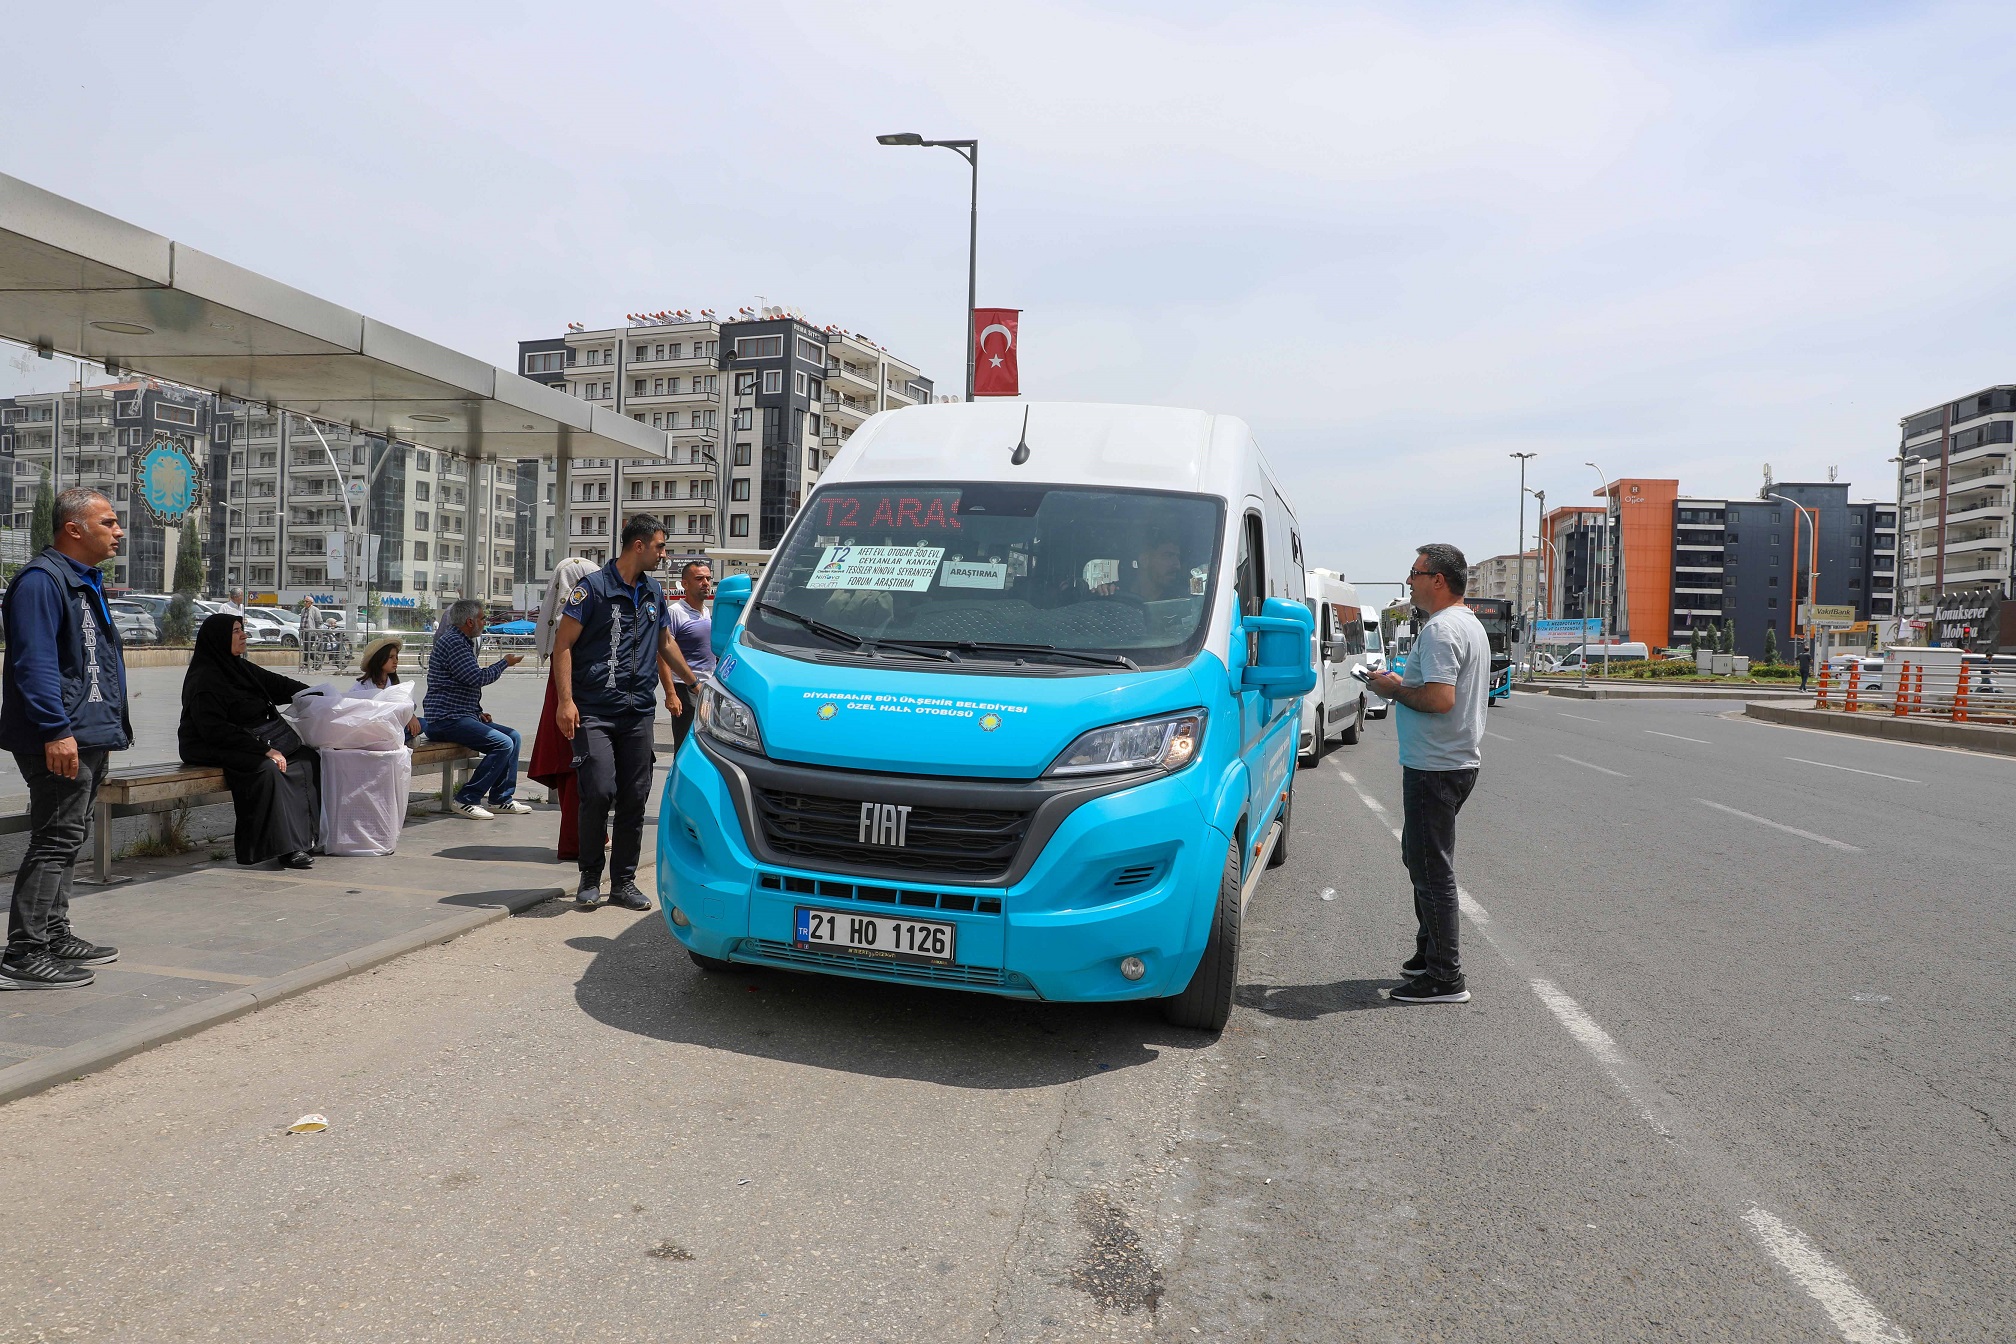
(1021, 453)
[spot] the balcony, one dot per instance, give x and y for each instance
(835, 404)
(842, 372)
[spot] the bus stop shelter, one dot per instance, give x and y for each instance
(77, 282)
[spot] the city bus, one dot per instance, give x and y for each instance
(1495, 613)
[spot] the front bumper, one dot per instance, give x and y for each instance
(1130, 873)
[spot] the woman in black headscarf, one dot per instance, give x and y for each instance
(229, 719)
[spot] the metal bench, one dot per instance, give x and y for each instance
(163, 788)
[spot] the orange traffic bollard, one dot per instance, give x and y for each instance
(1959, 711)
(1820, 691)
(1851, 702)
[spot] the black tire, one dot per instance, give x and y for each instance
(1357, 725)
(1308, 759)
(289, 642)
(713, 965)
(1280, 854)
(1206, 1002)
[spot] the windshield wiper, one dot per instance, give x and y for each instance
(1000, 646)
(862, 642)
(817, 627)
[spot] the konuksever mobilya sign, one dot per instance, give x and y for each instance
(168, 478)
(1970, 618)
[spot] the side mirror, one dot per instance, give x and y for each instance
(1281, 668)
(730, 596)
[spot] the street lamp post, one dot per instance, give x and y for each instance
(968, 150)
(1519, 555)
(1539, 575)
(1604, 572)
(1813, 569)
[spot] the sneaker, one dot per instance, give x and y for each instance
(39, 970)
(1414, 967)
(72, 948)
(626, 894)
(1424, 990)
(590, 894)
(471, 811)
(514, 808)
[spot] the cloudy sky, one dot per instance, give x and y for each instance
(1402, 241)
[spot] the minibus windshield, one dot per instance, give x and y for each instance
(1031, 576)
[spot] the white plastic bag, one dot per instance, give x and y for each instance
(354, 718)
(364, 800)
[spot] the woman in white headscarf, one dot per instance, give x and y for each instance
(552, 762)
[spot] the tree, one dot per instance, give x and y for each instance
(178, 623)
(42, 531)
(1770, 646)
(1728, 640)
(189, 560)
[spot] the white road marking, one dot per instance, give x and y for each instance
(1584, 717)
(1588, 766)
(1878, 774)
(1677, 738)
(1500, 736)
(1855, 1317)
(1780, 826)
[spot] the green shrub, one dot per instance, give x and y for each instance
(1775, 672)
(178, 623)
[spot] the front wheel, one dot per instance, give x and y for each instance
(1357, 725)
(1206, 1002)
(712, 965)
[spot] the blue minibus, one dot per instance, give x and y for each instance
(1013, 709)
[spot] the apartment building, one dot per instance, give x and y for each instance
(1956, 501)
(1675, 564)
(276, 521)
(756, 406)
(1735, 563)
(1500, 576)
(1572, 538)
(90, 436)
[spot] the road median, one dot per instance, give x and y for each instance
(1889, 727)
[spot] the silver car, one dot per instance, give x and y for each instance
(133, 622)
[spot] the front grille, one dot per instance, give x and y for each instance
(968, 842)
(849, 891)
(764, 950)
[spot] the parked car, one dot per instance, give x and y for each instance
(154, 604)
(263, 627)
(135, 624)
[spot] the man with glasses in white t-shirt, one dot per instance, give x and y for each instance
(1439, 709)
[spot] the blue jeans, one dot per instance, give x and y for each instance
(496, 775)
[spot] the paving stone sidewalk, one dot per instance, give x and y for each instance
(201, 940)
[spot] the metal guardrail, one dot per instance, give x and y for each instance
(1973, 695)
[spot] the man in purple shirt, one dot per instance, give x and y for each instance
(693, 631)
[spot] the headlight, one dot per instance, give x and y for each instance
(726, 719)
(1166, 743)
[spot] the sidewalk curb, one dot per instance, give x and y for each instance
(1925, 732)
(62, 1066)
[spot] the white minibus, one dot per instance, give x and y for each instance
(1335, 711)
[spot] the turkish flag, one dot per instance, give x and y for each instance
(994, 355)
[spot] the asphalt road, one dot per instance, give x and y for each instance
(1722, 1079)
